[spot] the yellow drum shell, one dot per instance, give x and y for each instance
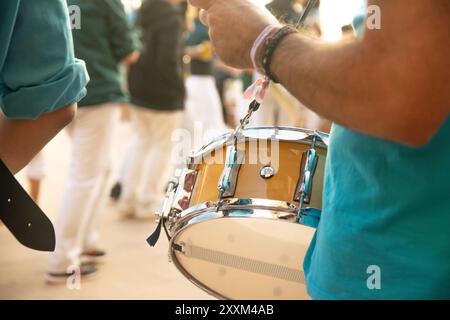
(284, 156)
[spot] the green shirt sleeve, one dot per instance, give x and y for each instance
(198, 35)
(123, 38)
(39, 73)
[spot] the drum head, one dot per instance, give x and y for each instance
(244, 257)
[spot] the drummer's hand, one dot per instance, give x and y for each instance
(234, 26)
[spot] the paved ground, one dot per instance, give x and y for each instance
(133, 271)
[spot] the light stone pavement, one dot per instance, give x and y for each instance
(133, 270)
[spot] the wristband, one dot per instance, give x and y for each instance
(258, 42)
(270, 46)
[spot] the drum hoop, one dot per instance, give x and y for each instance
(283, 207)
(194, 281)
(213, 145)
(204, 208)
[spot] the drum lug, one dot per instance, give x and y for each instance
(174, 215)
(228, 180)
(308, 168)
(184, 192)
(166, 206)
(304, 188)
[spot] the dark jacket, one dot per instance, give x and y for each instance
(156, 81)
(105, 38)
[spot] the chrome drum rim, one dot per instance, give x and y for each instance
(278, 211)
(288, 134)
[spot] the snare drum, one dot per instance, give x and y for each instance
(241, 215)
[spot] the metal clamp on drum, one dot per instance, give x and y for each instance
(228, 180)
(307, 216)
(164, 212)
(186, 183)
(168, 199)
(304, 187)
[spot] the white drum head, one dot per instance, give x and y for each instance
(255, 257)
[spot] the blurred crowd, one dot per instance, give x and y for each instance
(153, 66)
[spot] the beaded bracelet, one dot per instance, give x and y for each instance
(270, 45)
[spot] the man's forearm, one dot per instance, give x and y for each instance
(338, 81)
(392, 83)
(387, 84)
(21, 140)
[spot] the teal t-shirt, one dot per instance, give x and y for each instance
(385, 226)
(38, 70)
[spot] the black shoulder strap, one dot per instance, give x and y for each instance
(26, 221)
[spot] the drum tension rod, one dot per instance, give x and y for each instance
(220, 199)
(164, 213)
(307, 177)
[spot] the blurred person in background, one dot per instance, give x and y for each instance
(203, 104)
(116, 190)
(106, 42)
(156, 85)
(230, 87)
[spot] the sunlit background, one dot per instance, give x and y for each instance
(131, 4)
(336, 14)
(333, 15)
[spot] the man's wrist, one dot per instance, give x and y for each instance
(283, 55)
(258, 45)
(270, 46)
(257, 63)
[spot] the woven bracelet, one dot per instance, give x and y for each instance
(270, 45)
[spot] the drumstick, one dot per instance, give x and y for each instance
(309, 6)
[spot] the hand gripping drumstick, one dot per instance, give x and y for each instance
(258, 90)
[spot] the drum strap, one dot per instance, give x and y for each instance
(248, 264)
(154, 237)
(22, 216)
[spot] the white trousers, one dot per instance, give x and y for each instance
(77, 223)
(203, 115)
(148, 161)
